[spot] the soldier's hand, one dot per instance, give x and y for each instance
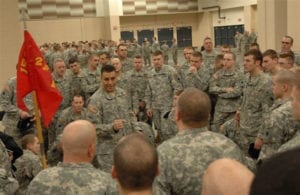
(229, 89)
(238, 117)
(258, 143)
(118, 124)
(24, 114)
(216, 76)
(149, 112)
(193, 69)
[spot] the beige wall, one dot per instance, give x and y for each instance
(11, 38)
(293, 27)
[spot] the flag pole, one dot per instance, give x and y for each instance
(36, 110)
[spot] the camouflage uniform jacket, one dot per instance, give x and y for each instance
(280, 128)
(28, 166)
(226, 101)
(162, 86)
(64, 86)
(79, 84)
(184, 158)
(209, 58)
(103, 109)
(126, 65)
(256, 101)
(8, 185)
(93, 82)
(71, 178)
(291, 144)
(199, 79)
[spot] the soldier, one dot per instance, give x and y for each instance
(270, 62)
(252, 37)
(209, 54)
(281, 126)
(122, 55)
(165, 51)
(8, 102)
(155, 45)
(110, 111)
(75, 175)
(122, 78)
(237, 40)
(8, 185)
(92, 74)
(174, 51)
(63, 84)
(146, 51)
(138, 48)
(57, 53)
(245, 43)
(163, 84)
(256, 101)
(226, 84)
(135, 167)
(286, 60)
(29, 164)
(104, 59)
(196, 76)
(187, 53)
(184, 158)
(75, 112)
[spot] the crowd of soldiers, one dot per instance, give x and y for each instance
(209, 107)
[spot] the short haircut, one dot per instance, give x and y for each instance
(197, 54)
(92, 55)
(255, 45)
(157, 53)
(289, 37)
(57, 60)
(278, 175)
(232, 54)
(219, 57)
(257, 56)
(121, 44)
(136, 167)
(138, 57)
(107, 54)
(271, 53)
(226, 46)
(285, 76)
(189, 48)
(290, 56)
(193, 106)
(108, 68)
(72, 60)
(207, 38)
(78, 95)
(27, 139)
(296, 77)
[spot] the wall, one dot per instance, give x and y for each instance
(233, 16)
(293, 27)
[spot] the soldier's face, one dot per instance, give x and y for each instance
(75, 68)
(250, 64)
(277, 88)
(104, 60)
(137, 63)
(196, 62)
(187, 54)
(208, 45)
(77, 103)
(60, 68)
(108, 81)
(286, 44)
(284, 63)
(296, 103)
(117, 64)
(228, 61)
(94, 61)
(268, 63)
(157, 62)
(35, 146)
(122, 51)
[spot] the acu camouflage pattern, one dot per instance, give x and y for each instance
(209, 59)
(103, 109)
(28, 166)
(291, 144)
(8, 102)
(79, 84)
(126, 64)
(68, 115)
(8, 185)
(256, 101)
(4, 159)
(168, 124)
(199, 79)
(72, 178)
(227, 102)
(184, 158)
(92, 82)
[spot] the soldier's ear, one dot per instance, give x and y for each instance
(113, 172)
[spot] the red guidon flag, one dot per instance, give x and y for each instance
(33, 74)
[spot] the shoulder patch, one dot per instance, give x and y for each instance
(92, 109)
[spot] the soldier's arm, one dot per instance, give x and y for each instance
(236, 91)
(201, 80)
(7, 96)
(213, 85)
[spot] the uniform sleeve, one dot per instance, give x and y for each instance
(7, 97)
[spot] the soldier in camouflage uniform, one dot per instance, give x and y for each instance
(209, 54)
(226, 84)
(75, 175)
(8, 185)
(92, 74)
(122, 78)
(155, 45)
(57, 53)
(196, 76)
(174, 51)
(75, 112)
(146, 51)
(62, 82)
(163, 84)
(255, 104)
(13, 114)
(110, 111)
(182, 70)
(122, 55)
(29, 164)
(165, 51)
(245, 43)
(184, 158)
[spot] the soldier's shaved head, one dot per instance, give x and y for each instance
(226, 176)
(79, 141)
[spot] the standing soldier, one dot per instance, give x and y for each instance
(163, 84)
(155, 45)
(165, 51)
(245, 43)
(226, 84)
(187, 53)
(237, 40)
(122, 55)
(209, 54)
(146, 51)
(174, 50)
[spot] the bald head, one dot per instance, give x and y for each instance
(226, 176)
(79, 140)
